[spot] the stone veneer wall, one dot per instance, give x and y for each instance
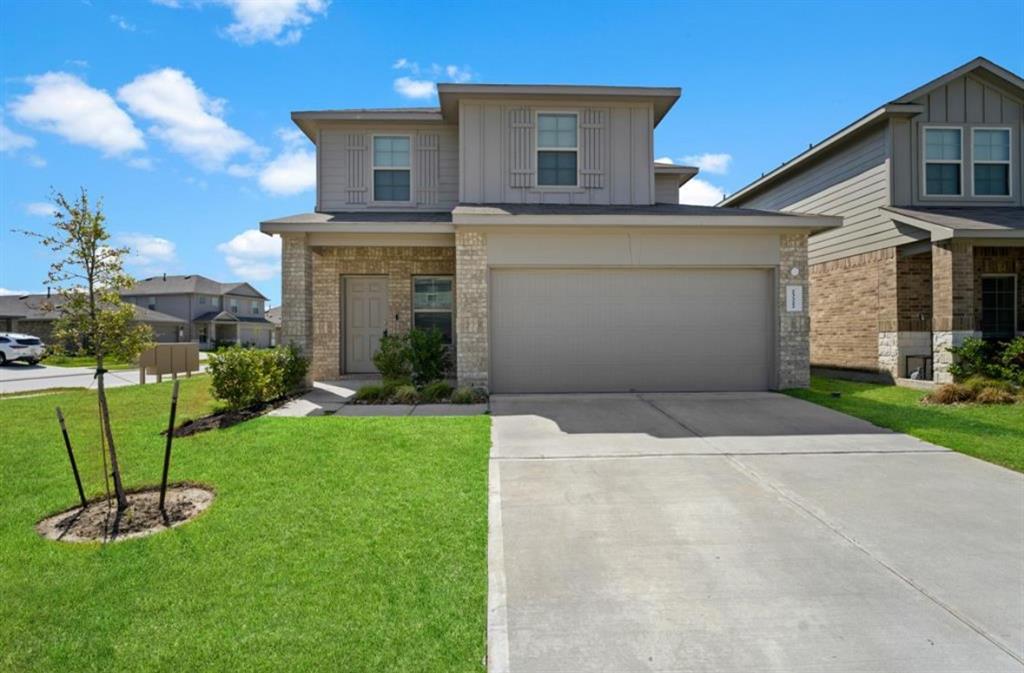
(471, 293)
(794, 328)
(854, 303)
(331, 264)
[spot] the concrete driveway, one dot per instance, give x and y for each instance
(744, 532)
(18, 377)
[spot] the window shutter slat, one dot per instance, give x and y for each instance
(355, 158)
(593, 148)
(427, 169)
(520, 148)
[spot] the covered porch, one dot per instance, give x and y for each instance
(223, 328)
(964, 281)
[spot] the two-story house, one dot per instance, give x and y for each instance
(214, 312)
(530, 224)
(931, 250)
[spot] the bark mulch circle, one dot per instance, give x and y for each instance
(99, 521)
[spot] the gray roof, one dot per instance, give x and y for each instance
(979, 222)
(41, 307)
(189, 284)
(363, 216)
(667, 209)
(224, 316)
(274, 315)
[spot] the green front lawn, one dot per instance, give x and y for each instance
(84, 361)
(347, 544)
(991, 432)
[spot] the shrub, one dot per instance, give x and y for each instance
(974, 357)
(393, 358)
(467, 395)
(244, 377)
(994, 395)
(1011, 361)
(435, 392)
(951, 393)
(406, 394)
(428, 355)
(370, 394)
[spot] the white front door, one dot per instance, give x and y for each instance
(366, 301)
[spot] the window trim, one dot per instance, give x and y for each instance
(151, 303)
(1008, 163)
(254, 308)
(924, 161)
(537, 149)
(374, 167)
(1016, 301)
(414, 310)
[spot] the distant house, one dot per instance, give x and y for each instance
(35, 314)
(274, 316)
(213, 312)
(929, 186)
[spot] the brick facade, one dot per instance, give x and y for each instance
(853, 300)
(329, 265)
(471, 317)
(794, 328)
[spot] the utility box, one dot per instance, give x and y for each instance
(169, 358)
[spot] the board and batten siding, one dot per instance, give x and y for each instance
(345, 164)
(666, 188)
(497, 141)
(851, 182)
(966, 102)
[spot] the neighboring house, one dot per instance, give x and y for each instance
(214, 312)
(531, 226)
(35, 314)
(274, 316)
(931, 251)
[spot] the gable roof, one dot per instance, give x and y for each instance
(42, 307)
(189, 284)
(899, 106)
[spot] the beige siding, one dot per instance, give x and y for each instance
(968, 102)
(497, 141)
(666, 189)
(344, 165)
(852, 183)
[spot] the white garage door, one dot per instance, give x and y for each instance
(597, 330)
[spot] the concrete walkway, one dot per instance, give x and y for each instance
(333, 398)
(744, 532)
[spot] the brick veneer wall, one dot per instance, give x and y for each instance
(853, 300)
(794, 328)
(914, 293)
(471, 308)
(296, 292)
(399, 264)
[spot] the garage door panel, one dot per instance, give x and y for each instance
(630, 329)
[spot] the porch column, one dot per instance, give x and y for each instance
(953, 315)
(211, 337)
(471, 308)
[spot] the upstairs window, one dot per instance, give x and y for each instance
(943, 151)
(255, 307)
(216, 301)
(234, 305)
(151, 303)
(991, 158)
(392, 168)
(557, 149)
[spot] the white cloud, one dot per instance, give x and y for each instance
(709, 163)
(40, 209)
(122, 23)
(699, 192)
(62, 103)
(8, 291)
(149, 252)
(35, 161)
(415, 88)
(253, 256)
(11, 142)
(184, 117)
(291, 172)
(277, 21)
(423, 81)
(664, 160)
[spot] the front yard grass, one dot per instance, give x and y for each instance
(990, 432)
(84, 361)
(349, 544)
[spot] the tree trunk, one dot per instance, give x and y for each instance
(115, 471)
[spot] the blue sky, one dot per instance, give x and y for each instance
(176, 112)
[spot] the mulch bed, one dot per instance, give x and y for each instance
(99, 521)
(225, 419)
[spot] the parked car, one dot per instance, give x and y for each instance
(24, 347)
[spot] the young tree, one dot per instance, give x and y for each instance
(89, 275)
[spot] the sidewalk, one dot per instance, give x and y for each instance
(19, 378)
